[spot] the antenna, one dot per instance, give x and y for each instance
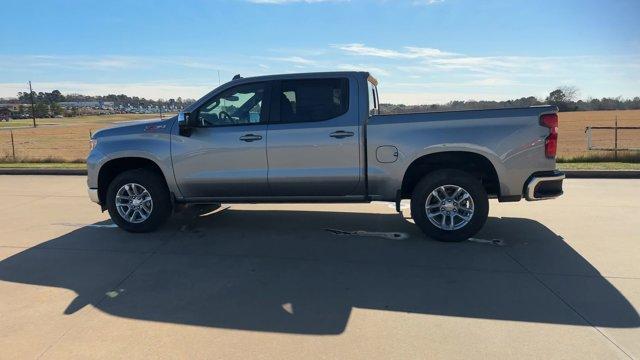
(219, 82)
(237, 77)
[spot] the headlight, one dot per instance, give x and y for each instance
(93, 143)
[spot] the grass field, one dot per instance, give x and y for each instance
(52, 165)
(27, 122)
(573, 140)
(67, 139)
(599, 166)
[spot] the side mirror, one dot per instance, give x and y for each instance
(184, 124)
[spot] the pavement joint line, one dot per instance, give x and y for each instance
(88, 250)
(104, 296)
(31, 201)
(534, 275)
(289, 258)
(360, 262)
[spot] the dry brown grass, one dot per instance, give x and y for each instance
(68, 141)
(573, 140)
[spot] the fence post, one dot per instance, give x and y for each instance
(615, 140)
(13, 147)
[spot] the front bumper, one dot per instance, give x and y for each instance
(93, 195)
(545, 185)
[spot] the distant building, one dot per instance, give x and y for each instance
(15, 107)
(87, 104)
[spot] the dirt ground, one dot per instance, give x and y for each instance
(67, 139)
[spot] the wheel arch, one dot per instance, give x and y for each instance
(473, 163)
(110, 169)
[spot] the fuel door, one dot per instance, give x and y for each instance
(387, 154)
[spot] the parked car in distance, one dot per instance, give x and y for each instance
(318, 137)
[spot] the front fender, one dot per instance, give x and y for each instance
(150, 146)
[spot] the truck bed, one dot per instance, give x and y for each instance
(511, 139)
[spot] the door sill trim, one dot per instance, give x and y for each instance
(278, 199)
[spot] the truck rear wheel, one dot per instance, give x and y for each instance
(449, 205)
(138, 200)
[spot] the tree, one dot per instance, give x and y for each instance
(563, 97)
(41, 110)
(556, 97)
(56, 109)
(55, 96)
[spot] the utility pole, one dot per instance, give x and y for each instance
(615, 140)
(33, 106)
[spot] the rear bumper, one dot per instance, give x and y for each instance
(93, 195)
(544, 185)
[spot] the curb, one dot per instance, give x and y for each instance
(570, 174)
(602, 174)
(20, 171)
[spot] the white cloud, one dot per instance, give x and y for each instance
(477, 83)
(404, 70)
(374, 70)
(427, 2)
(439, 97)
(106, 62)
(280, 2)
(410, 52)
(297, 60)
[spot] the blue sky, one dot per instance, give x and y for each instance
(422, 51)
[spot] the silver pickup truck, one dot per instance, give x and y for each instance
(318, 137)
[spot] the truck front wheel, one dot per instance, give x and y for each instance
(138, 200)
(449, 205)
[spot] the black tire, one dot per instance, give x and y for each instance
(157, 188)
(459, 178)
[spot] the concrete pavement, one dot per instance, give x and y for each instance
(268, 281)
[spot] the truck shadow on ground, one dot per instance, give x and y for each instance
(280, 271)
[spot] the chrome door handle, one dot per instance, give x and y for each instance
(341, 134)
(250, 137)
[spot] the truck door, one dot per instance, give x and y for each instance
(313, 138)
(225, 154)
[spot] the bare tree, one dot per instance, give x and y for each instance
(570, 93)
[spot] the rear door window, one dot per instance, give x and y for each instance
(313, 99)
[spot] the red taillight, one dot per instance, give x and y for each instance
(551, 142)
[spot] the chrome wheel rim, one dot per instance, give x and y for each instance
(449, 207)
(134, 203)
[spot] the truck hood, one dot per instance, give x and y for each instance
(135, 127)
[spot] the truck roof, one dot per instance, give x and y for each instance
(302, 75)
(309, 75)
